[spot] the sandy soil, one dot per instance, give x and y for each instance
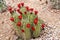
(50, 16)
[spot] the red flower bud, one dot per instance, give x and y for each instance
(31, 9)
(12, 19)
(28, 25)
(33, 28)
(18, 10)
(19, 24)
(35, 21)
(25, 12)
(10, 9)
(36, 12)
(36, 18)
(22, 4)
(43, 25)
(22, 30)
(27, 8)
(20, 17)
(19, 5)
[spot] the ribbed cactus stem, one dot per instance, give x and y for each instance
(26, 26)
(38, 29)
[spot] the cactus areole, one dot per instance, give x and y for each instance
(26, 21)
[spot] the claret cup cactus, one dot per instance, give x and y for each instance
(26, 21)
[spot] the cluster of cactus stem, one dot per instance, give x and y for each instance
(26, 21)
(2, 6)
(55, 4)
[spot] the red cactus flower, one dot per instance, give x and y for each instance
(19, 24)
(25, 12)
(19, 5)
(43, 25)
(35, 21)
(36, 12)
(27, 8)
(36, 18)
(22, 30)
(22, 4)
(12, 19)
(20, 17)
(33, 28)
(18, 10)
(10, 9)
(28, 25)
(31, 9)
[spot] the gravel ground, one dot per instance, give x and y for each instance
(50, 16)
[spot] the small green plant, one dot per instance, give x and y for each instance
(2, 6)
(26, 21)
(55, 4)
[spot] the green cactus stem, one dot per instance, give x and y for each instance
(38, 29)
(26, 27)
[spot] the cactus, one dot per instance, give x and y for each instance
(2, 6)
(26, 21)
